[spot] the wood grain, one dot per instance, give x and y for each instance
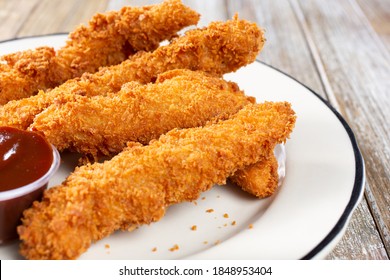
(378, 15)
(60, 16)
(13, 16)
(288, 53)
(361, 240)
(357, 66)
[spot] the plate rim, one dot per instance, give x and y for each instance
(359, 180)
(33, 36)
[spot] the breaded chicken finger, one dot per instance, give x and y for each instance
(136, 186)
(102, 125)
(108, 40)
(260, 179)
(220, 48)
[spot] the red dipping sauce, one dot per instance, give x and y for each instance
(27, 161)
(24, 157)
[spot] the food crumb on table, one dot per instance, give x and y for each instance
(210, 210)
(226, 215)
(194, 227)
(154, 249)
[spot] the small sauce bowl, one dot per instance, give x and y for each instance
(14, 200)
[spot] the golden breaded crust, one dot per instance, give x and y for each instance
(102, 125)
(108, 40)
(136, 186)
(259, 179)
(220, 48)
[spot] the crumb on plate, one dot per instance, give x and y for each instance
(174, 248)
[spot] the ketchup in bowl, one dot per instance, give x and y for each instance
(27, 162)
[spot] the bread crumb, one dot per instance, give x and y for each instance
(210, 210)
(154, 249)
(225, 225)
(217, 242)
(174, 248)
(194, 227)
(195, 203)
(250, 226)
(226, 215)
(233, 223)
(107, 246)
(203, 198)
(205, 242)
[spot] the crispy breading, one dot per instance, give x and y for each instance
(23, 73)
(220, 48)
(136, 186)
(259, 179)
(102, 125)
(108, 40)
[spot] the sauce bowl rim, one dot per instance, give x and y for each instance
(23, 190)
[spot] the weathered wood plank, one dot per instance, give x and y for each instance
(378, 14)
(59, 16)
(357, 67)
(13, 15)
(82, 12)
(361, 240)
(286, 47)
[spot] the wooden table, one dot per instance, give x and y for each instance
(340, 49)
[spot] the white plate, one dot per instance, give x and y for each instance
(304, 219)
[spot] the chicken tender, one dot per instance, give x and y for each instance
(220, 48)
(136, 186)
(102, 125)
(260, 179)
(109, 39)
(23, 73)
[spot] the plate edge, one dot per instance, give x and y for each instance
(358, 188)
(33, 36)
